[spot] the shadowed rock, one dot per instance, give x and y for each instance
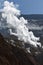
(12, 55)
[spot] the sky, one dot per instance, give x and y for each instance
(29, 6)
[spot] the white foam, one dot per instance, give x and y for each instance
(11, 13)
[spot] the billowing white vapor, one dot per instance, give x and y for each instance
(11, 13)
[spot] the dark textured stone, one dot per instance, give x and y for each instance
(11, 55)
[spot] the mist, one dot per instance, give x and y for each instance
(11, 14)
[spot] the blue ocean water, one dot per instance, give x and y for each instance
(35, 24)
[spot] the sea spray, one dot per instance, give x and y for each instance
(10, 14)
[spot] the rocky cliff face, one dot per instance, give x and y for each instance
(12, 55)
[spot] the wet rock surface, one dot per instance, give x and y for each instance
(12, 55)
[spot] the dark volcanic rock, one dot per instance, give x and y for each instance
(11, 55)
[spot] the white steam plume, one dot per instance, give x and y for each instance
(11, 13)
